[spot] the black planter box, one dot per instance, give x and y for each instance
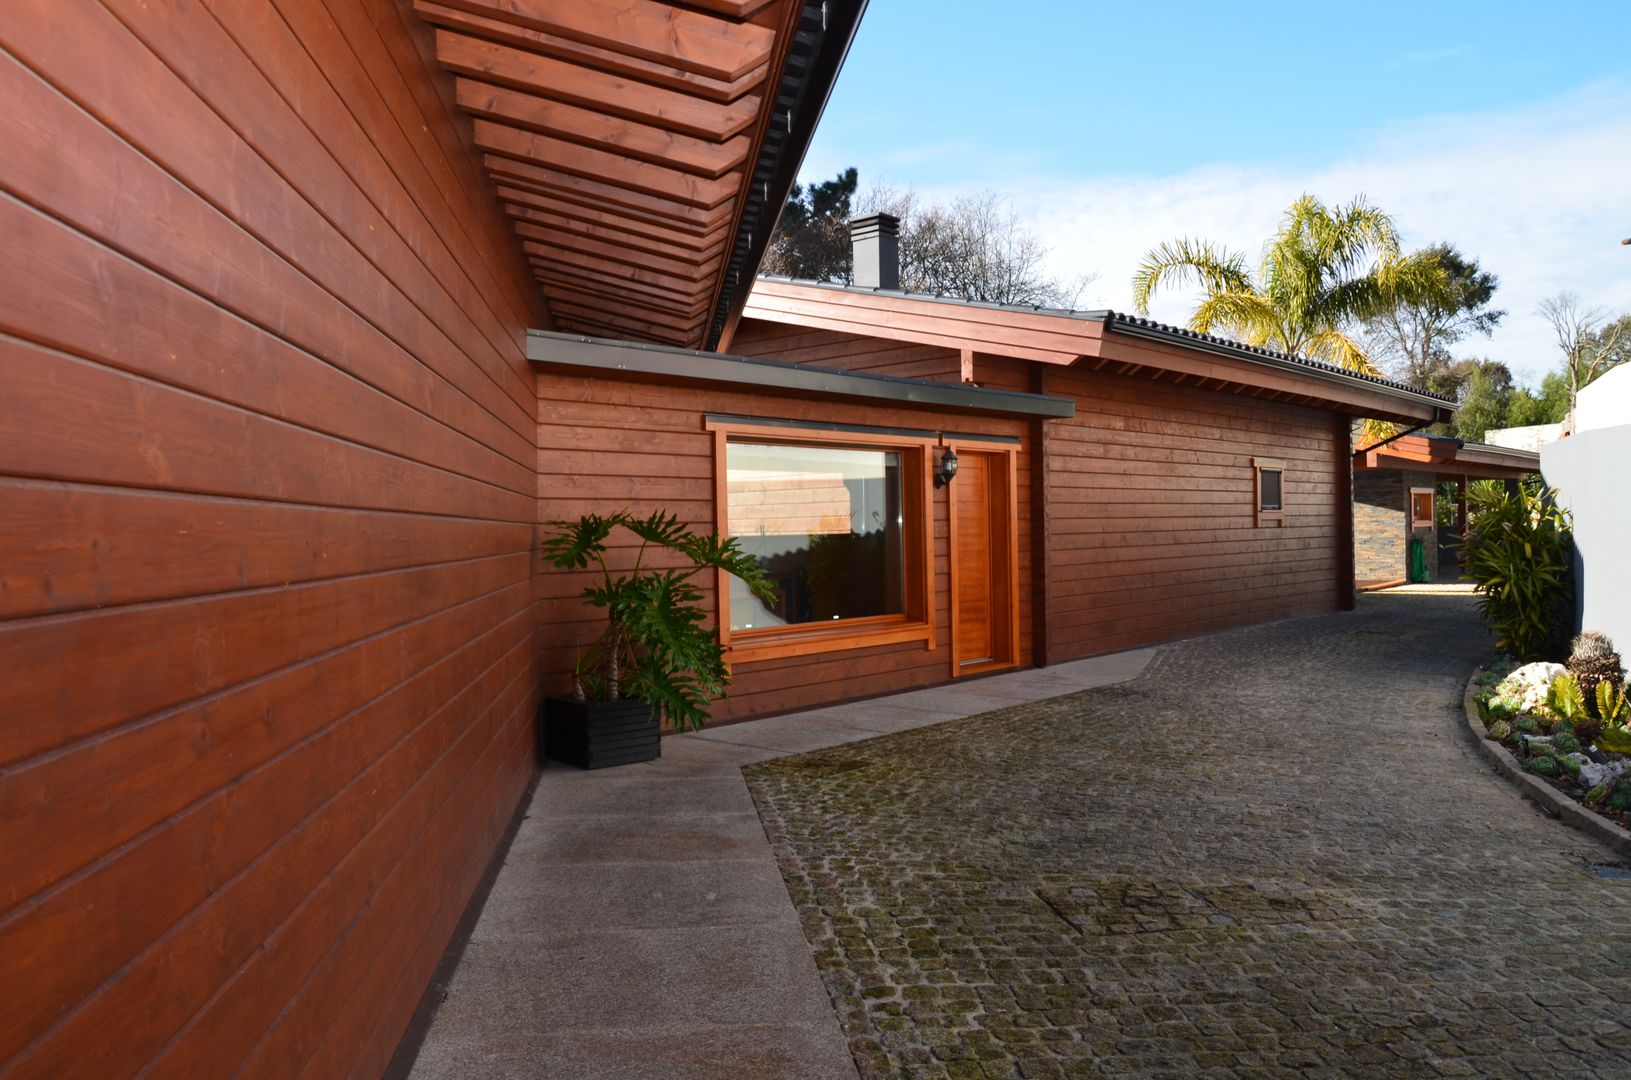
(595, 735)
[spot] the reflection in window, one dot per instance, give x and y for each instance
(826, 525)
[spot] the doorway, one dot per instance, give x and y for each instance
(984, 562)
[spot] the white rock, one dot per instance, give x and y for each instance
(1592, 774)
(1529, 685)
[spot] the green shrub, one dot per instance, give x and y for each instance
(1517, 554)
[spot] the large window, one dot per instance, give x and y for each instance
(826, 523)
(839, 522)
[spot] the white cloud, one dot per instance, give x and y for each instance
(1540, 195)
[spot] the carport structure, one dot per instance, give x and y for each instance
(1396, 498)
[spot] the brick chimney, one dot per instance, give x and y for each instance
(876, 242)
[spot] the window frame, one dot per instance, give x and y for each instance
(917, 497)
(1264, 517)
(1431, 520)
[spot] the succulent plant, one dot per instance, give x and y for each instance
(1597, 794)
(1500, 731)
(1619, 797)
(1564, 742)
(1593, 660)
(1568, 766)
(1526, 724)
(1546, 765)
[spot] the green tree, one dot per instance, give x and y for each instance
(1416, 337)
(1549, 406)
(811, 240)
(1486, 400)
(1323, 273)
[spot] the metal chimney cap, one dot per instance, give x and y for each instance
(863, 228)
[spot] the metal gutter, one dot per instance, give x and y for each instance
(633, 358)
(821, 41)
(1153, 331)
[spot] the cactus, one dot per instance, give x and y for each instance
(1545, 766)
(1592, 661)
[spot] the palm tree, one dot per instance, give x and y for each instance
(1322, 272)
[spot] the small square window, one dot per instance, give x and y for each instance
(1269, 490)
(1421, 508)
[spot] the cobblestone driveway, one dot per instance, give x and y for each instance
(1272, 853)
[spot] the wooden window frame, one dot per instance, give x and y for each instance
(1276, 518)
(1431, 521)
(917, 494)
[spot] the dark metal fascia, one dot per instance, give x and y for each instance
(821, 41)
(817, 425)
(600, 354)
(1280, 362)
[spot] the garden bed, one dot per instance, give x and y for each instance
(1587, 787)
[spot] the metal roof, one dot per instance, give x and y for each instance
(1114, 320)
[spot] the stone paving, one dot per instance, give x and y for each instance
(1273, 853)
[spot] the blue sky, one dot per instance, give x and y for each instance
(1503, 128)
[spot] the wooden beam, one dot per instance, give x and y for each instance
(620, 230)
(630, 292)
(642, 142)
(547, 241)
(565, 257)
(585, 161)
(532, 196)
(546, 228)
(658, 32)
(608, 294)
(576, 52)
(592, 89)
(598, 192)
(568, 305)
(684, 293)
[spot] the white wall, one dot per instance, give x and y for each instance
(1588, 469)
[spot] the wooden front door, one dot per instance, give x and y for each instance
(982, 563)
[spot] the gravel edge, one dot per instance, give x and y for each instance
(1536, 790)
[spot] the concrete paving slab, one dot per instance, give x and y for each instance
(758, 1052)
(634, 980)
(620, 839)
(641, 895)
(642, 796)
(786, 738)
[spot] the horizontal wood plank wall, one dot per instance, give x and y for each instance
(605, 445)
(267, 440)
(844, 352)
(1152, 533)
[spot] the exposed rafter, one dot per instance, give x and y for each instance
(642, 147)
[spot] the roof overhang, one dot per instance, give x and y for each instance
(624, 359)
(1449, 459)
(642, 149)
(1091, 339)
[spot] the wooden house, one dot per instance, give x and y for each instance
(269, 469)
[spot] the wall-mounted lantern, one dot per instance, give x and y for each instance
(947, 468)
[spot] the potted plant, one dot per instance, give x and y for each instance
(657, 659)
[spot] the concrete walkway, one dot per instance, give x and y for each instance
(640, 926)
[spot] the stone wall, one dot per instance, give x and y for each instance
(1382, 526)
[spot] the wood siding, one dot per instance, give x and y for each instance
(267, 438)
(607, 444)
(844, 352)
(1151, 531)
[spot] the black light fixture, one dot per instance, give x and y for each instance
(947, 468)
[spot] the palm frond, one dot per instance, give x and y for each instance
(1215, 269)
(1335, 347)
(1246, 315)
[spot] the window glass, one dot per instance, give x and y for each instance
(826, 525)
(1421, 507)
(1268, 481)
